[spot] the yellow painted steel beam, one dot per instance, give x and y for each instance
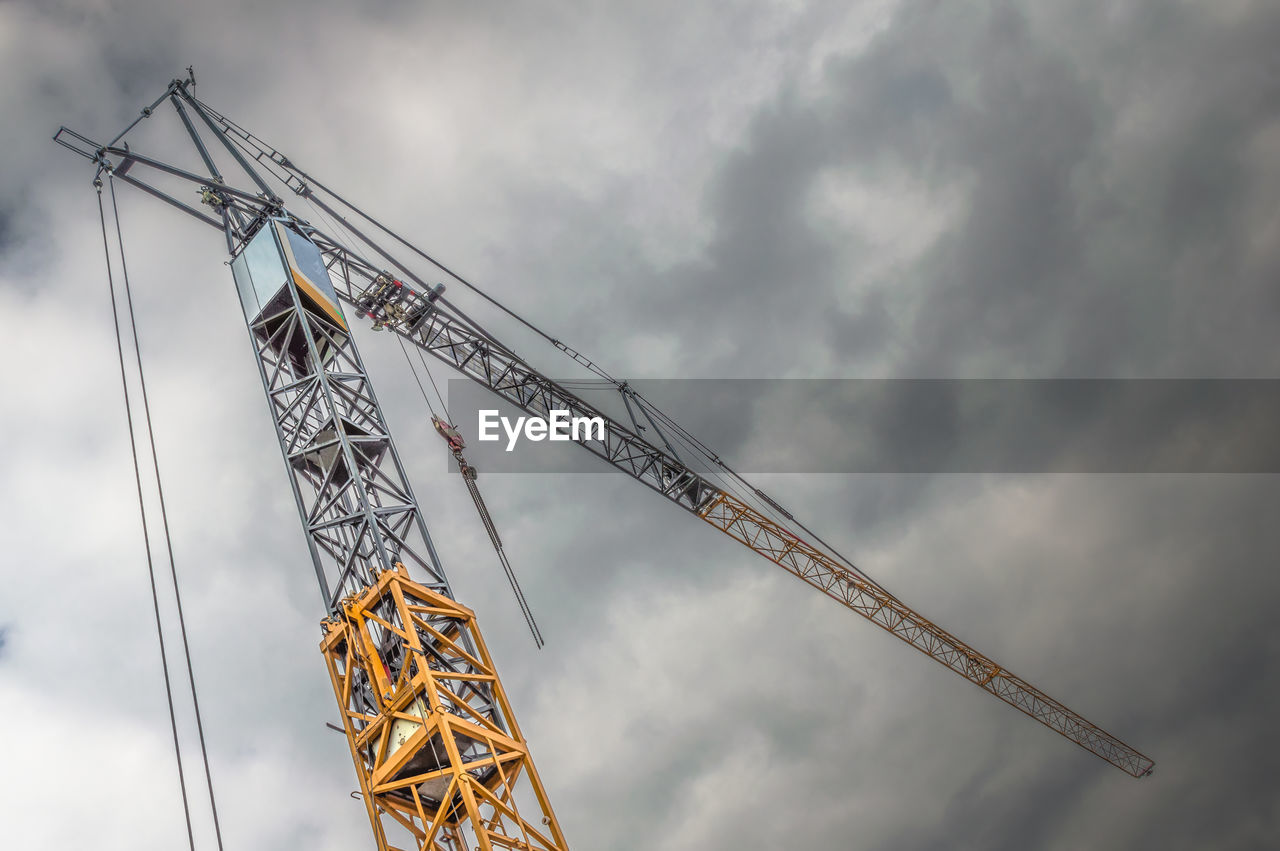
(435, 770)
(826, 573)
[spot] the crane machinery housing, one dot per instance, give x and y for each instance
(440, 758)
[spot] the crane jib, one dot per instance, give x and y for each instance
(502, 372)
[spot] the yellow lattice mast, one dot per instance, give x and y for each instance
(432, 759)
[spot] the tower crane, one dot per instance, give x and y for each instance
(438, 753)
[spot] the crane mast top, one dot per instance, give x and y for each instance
(357, 506)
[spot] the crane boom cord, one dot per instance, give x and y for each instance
(146, 535)
(164, 515)
(469, 476)
(449, 433)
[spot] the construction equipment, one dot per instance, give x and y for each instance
(436, 746)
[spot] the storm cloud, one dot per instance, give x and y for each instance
(1049, 190)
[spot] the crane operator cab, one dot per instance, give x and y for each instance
(280, 269)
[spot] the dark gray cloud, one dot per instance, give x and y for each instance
(901, 426)
(1094, 218)
(899, 189)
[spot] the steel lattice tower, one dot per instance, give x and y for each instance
(436, 746)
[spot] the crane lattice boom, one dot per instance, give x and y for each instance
(401, 653)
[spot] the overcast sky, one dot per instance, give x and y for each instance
(771, 190)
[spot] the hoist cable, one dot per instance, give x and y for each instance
(489, 527)
(164, 516)
(432, 379)
(414, 370)
(427, 368)
(142, 510)
(469, 476)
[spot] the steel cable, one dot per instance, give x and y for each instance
(142, 510)
(164, 518)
